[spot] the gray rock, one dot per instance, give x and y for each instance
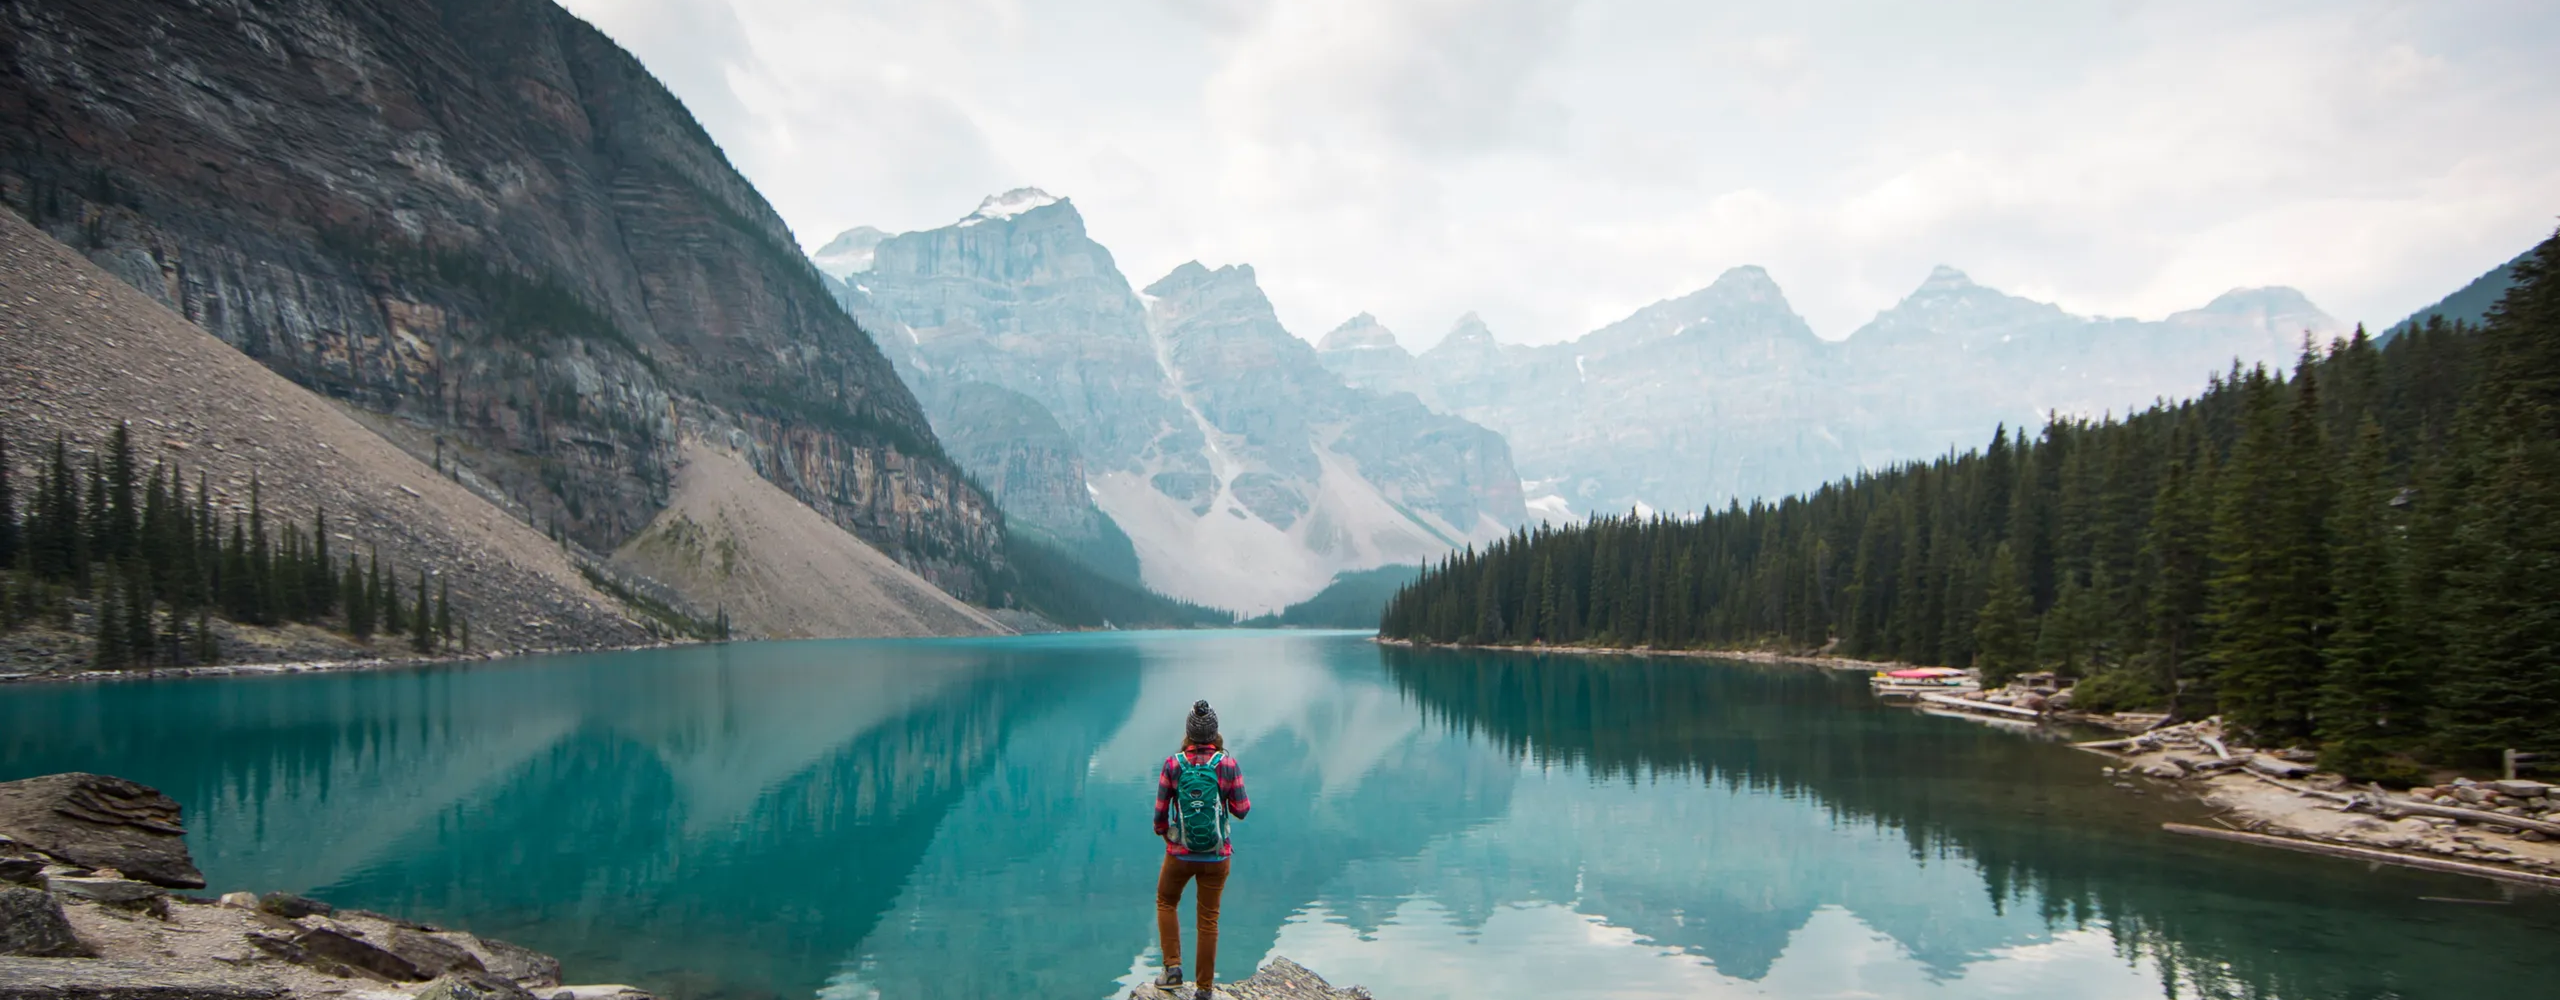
(606, 991)
(23, 871)
(101, 822)
(527, 967)
(292, 907)
(105, 890)
(91, 979)
(1280, 980)
(345, 948)
(469, 984)
(2520, 788)
(432, 954)
(32, 925)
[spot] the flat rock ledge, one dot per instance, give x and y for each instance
(1282, 979)
(86, 913)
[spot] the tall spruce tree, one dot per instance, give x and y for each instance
(2000, 632)
(2370, 703)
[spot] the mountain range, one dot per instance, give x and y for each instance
(1725, 394)
(1177, 433)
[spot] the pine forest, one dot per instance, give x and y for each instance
(145, 563)
(2361, 554)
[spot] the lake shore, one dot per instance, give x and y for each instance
(2301, 810)
(284, 667)
(1746, 655)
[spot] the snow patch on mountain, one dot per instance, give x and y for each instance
(1009, 204)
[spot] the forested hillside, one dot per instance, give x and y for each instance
(2363, 553)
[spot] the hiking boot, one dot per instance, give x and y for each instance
(1172, 978)
(1202, 992)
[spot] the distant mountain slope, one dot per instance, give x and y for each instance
(2468, 304)
(1352, 600)
(80, 350)
(485, 218)
(1242, 472)
(1725, 394)
(729, 540)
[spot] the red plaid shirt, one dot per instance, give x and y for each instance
(1230, 788)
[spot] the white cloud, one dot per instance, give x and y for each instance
(1554, 165)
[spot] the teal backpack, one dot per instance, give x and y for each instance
(1199, 810)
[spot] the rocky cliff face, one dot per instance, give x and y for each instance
(483, 217)
(1726, 394)
(1243, 472)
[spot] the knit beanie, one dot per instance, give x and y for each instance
(1202, 726)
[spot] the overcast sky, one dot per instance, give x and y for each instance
(1555, 165)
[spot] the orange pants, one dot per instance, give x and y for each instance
(1213, 883)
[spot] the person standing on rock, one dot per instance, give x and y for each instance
(1197, 791)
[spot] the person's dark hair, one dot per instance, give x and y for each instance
(1201, 727)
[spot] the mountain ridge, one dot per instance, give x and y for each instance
(517, 237)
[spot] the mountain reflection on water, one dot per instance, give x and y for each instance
(943, 818)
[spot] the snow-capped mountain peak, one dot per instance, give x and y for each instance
(998, 207)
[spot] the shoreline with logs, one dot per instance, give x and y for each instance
(2507, 830)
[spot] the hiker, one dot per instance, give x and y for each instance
(1195, 793)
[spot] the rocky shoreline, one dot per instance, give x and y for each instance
(89, 865)
(2508, 830)
(314, 666)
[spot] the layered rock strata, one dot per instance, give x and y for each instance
(484, 218)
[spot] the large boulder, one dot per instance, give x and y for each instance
(32, 925)
(101, 822)
(346, 945)
(527, 967)
(432, 954)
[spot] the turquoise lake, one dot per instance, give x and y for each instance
(968, 818)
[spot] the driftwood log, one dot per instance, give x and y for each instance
(2415, 808)
(2367, 854)
(1980, 706)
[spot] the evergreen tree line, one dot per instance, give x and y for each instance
(159, 562)
(2362, 554)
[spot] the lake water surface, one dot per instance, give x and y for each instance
(969, 818)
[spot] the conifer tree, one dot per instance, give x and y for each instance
(444, 611)
(321, 595)
(2370, 702)
(2000, 632)
(422, 632)
(208, 647)
(108, 633)
(2174, 547)
(359, 600)
(2502, 685)
(121, 526)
